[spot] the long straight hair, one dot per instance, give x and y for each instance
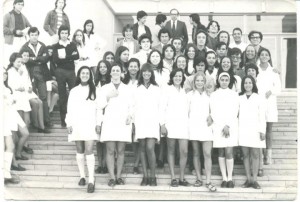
(160, 64)
(147, 67)
(103, 79)
(127, 77)
(6, 82)
(88, 22)
(74, 37)
(92, 88)
(254, 89)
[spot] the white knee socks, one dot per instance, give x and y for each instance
(8, 156)
(222, 165)
(229, 165)
(80, 163)
(90, 161)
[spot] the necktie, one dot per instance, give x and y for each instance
(173, 28)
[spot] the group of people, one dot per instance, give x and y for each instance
(155, 90)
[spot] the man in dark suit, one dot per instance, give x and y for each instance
(176, 27)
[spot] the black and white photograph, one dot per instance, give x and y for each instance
(149, 100)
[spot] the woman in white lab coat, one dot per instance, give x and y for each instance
(224, 108)
(146, 113)
(199, 128)
(174, 123)
(116, 122)
(252, 128)
(83, 123)
(269, 86)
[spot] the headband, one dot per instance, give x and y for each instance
(224, 74)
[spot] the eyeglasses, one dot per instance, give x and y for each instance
(235, 57)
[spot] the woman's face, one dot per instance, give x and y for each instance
(199, 82)
(211, 59)
(191, 53)
(177, 79)
(155, 58)
(248, 85)
(222, 51)
(115, 72)
(169, 53)
(226, 64)
(146, 75)
(110, 58)
(25, 57)
(177, 44)
(251, 72)
(18, 63)
(124, 56)
(213, 28)
(79, 36)
(201, 39)
(145, 44)
(250, 52)
(264, 57)
(89, 27)
(102, 68)
(60, 4)
(200, 67)
(223, 37)
(181, 63)
(224, 82)
(84, 75)
(128, 34)
(133, 68)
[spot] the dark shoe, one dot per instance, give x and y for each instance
(174, 183)
(198, 183)
(111, 183)
(224, 184)
(81, 182)
(230, 184)
(160, 164)
(27, 150)
(17, 168)
(11, 180)
(99, 170)
(91, 188)
(184, 183)
(135, 170)
(120, 181)
(153, 182)
(247, 184)
(49, 124)
(24, 158)
(260, 173)
(40, 130)
(63, 124)
(144, 181)
(255, 185)
(105, 170)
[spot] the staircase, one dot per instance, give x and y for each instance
(53, 166)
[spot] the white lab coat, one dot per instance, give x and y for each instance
(162, 78)
(238, 84)
(251, 121)
(82, 115)
(269, 80)
(117, 109)
(174, 112)
(146, 112)
(224, 106)
(142, 56)
(96, 46)
(198, 113)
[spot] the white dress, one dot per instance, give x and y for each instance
(146, 112)
(212, 75)
(83, 53)
(132, 88)
(251, 121)
(117, 109)
(224, 106)
(82, 115)
(237, 86)
(11, 117)
(142, 56)
(269, 80)
(162, 78)
(198, 113)
(17, 80)
(174, 112)
(95, 46)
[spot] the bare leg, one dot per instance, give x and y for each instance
(207, 149)
(151, 155)
(183, 148)
(171, 155)
(120, 159)
(110, 158)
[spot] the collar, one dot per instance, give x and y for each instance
(64, 43)
(14, 12)
(174, 21)
(38, 46)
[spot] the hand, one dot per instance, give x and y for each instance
(262, 136)
(128, 120)
(268, 93)
(70, 130)
(19, 32)
(98, 129)
(164, 130)
(275, 70)
(74, 53)
(225, 131)
(209, 121)
(112, 94)
(21, 89)
(30, 90)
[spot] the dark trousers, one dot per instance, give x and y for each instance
(64, 77)
(41, 89)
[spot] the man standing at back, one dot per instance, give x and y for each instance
(176, 27)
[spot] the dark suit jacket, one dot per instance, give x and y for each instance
(200, 27)
(180, 31)
(136, 29)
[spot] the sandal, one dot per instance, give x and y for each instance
(111, 183)
(174, 183)
(198, 183)
(211, 187)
